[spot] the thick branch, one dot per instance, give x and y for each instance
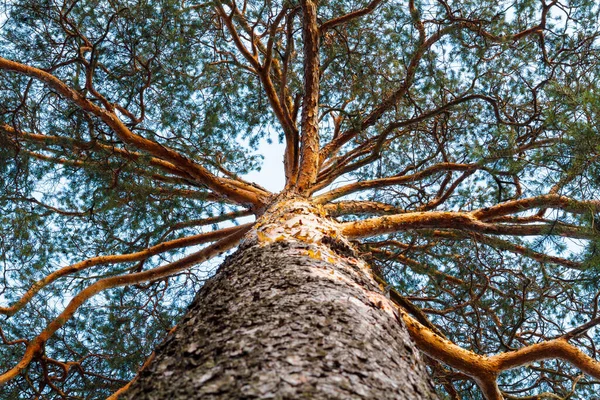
(457, 220)
(485, 370)
(93, 145)
(358, 207)
(554, 201)
(332, 23)
(309, 147)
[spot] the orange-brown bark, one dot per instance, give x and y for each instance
(309, 138)
(358, 207)
(332, 23)
(554, 201)
(457, 220)
(485, 369)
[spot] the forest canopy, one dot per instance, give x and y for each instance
(457, 143)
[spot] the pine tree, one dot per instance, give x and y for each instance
(436, 236)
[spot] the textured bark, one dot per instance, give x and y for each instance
(292, 314)
(309, 149)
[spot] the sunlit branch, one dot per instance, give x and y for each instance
(36, 345)
(485, 369)
(237, 191)
(93, 145)
(359, 207)
(121, 258)
(458, 220)
(393, 180)
(553, 201)
(65, 367)
(309, 147)
(369, 8)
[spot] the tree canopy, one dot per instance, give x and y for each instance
(457, 142)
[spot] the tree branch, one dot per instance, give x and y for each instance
(554, 201)
(121, 258)
(309, 139)
(457, 220)
(390, 101)
(35, 346)
(485, 369)
(393, 180)
(238, 192)
(332, 23)
(279, 109)
(357, 207)
(92, 145)
(501, 244)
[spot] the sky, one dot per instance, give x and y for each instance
(271, 176)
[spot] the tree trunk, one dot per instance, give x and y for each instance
(293, 314)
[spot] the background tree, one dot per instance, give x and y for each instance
(454, 142)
